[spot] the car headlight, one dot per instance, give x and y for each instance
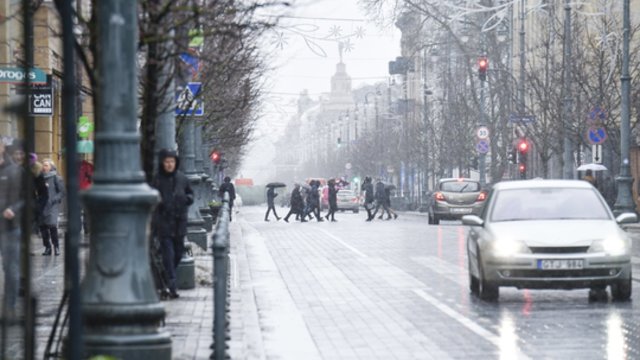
(612, 246)
(506, 248)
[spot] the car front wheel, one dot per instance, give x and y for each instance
(621, 290)
(474, 284)
(487, 290)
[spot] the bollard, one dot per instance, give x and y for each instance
(220, 276)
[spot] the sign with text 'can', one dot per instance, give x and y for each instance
(41, 99)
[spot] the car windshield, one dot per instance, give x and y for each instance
(548, 204)
(460, 186)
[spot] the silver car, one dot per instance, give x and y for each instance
(548, 234)
(348, 200)
(454, 198)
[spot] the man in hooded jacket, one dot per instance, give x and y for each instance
(11, 207)
(170, 217)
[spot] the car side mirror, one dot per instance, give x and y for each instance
(627, 218)
(472, 220)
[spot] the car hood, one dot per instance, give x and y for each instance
(555, 232)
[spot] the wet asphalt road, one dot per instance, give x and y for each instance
(399, 289)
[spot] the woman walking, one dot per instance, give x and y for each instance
(333, 200)
(51, 208)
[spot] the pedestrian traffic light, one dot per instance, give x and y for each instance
(512, 156)
(483, 64)
(215, 157)
(339, 141)
(522, 169)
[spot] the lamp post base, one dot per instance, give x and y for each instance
(208, 220)
(624, 200)
(186, 273)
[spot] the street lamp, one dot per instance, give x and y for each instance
(624, 199)
(121, 311)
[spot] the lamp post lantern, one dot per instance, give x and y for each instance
(121, 311)
(624, 199)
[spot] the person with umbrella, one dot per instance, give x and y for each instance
(271, 195)
(588, 177)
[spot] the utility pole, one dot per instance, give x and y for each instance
(567, 157)
(624, 200)
(425, 110)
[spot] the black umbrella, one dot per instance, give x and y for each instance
(390, 187)
(276, 184)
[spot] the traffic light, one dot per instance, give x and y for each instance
(523, 148)
(215, 157)
(339, 141)
(522, 169)
(483, 65)
(512, 156)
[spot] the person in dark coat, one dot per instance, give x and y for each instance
(170, 217)
(297, 204)
(313, 200)
(387, 201)
(227, 187)
(380, 199)
(367, 187)
(271, 195)
(51, 210)
(11, 207)
(333, 200)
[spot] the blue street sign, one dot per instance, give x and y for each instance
(188, 102)
(597, 114)
(513, 118)
(482, 146)
(596, 135)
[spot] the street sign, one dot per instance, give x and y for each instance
(41, 99)
(17, 76)
(596, 135)
(85, 127)
(597, 115)
(596, 154)
(187, 101)
(514, 118)
(482, 132)
(482, 146)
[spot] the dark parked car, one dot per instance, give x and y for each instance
(454, 198)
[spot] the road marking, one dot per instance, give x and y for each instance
(515, 352)
(356, 251)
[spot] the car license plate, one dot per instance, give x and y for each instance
(561, 264)
(460, 210)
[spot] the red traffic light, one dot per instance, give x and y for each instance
(483, 64)
(523, 146)
(215, 157)
(522, 168)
